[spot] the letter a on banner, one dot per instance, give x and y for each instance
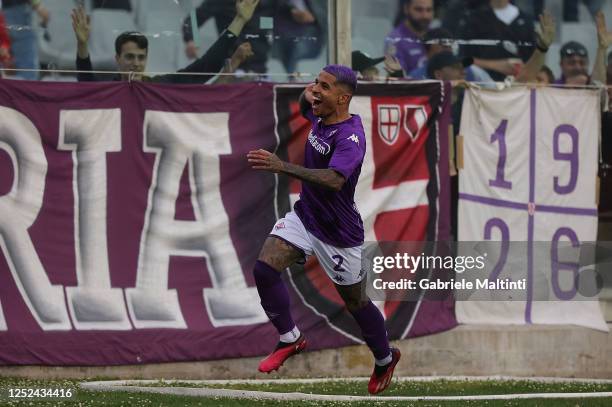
(195, 140)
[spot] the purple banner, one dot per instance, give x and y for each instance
(130, 223)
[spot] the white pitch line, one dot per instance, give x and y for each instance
(533, 379)
(129, 386)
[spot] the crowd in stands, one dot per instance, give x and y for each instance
(483, 40)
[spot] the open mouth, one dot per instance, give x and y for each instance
(316, 102)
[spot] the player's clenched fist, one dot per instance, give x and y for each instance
(264, 160)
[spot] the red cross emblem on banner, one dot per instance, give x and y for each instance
(389, 123)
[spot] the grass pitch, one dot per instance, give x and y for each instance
(398, 388)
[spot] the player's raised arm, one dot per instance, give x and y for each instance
(306, 99)
(267, 161)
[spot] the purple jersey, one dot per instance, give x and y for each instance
(332, 216)
(406, 47)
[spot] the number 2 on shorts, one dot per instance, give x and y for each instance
(339, 259)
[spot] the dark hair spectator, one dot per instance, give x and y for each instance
(136, 37)
(405, 40)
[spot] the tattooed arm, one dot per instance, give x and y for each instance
(267, 161)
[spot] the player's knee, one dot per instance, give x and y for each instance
(277, 254)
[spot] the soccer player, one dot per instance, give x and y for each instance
(325, 222)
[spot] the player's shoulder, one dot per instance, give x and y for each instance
(353, 126)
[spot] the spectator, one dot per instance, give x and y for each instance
(300, 31)
(445, 66)
(24, 46)
(5, 45)
(132, 47)
(574, 60)
(411, 24)
(439, 40)
(502, 21)
(545, 76)
(223, 12)
(575, 57)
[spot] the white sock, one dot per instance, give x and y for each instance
(385, 361)
(291, 336)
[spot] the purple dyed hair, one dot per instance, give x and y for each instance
(344, 75)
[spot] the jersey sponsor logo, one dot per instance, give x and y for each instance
(320, 146)
(353, 138)
(280, 225)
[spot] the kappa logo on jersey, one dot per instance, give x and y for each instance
(280, 225)
(353, 138)
(320, 146)
(412, 118)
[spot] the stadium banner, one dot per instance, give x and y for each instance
(529, 175)
(130, 220)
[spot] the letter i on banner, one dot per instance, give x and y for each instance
(195, 140)
(90, 134)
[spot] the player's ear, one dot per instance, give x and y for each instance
(344, 99)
